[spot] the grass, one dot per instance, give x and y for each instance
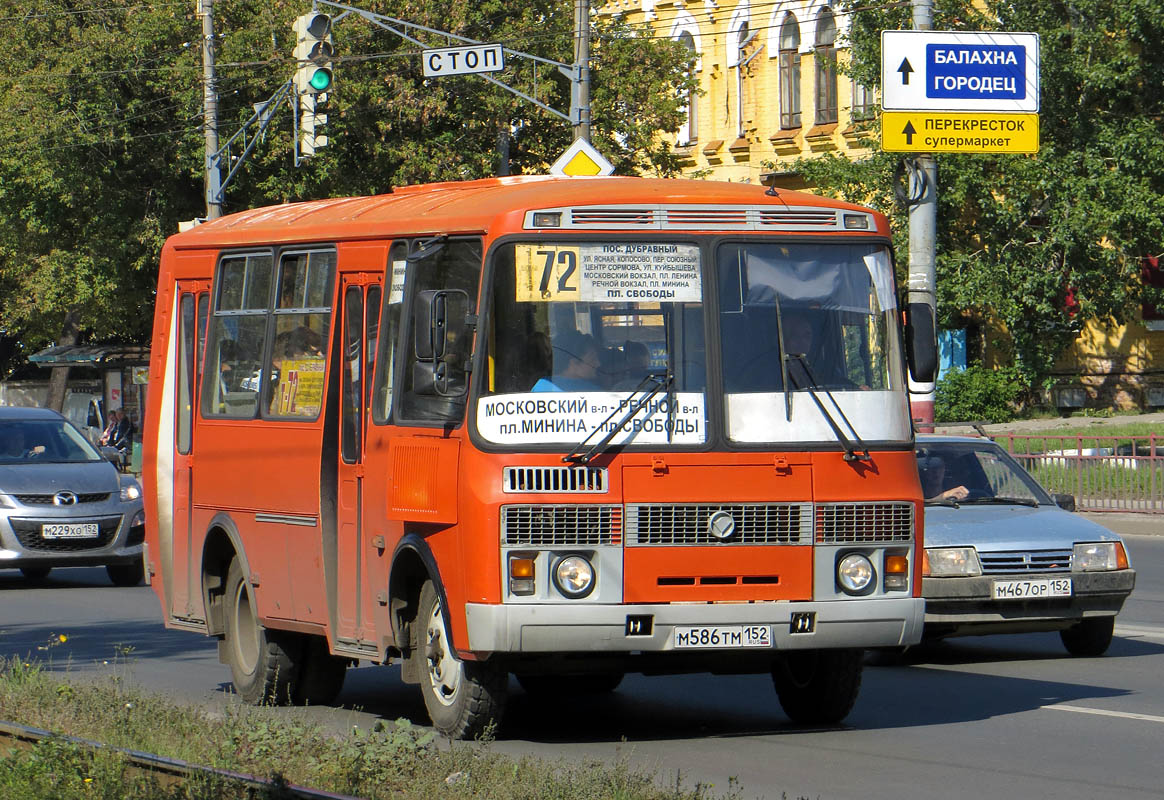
(394, 760)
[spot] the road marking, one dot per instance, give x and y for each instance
(1102, 713)
(1145, 631)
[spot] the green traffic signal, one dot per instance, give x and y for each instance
(320, 80)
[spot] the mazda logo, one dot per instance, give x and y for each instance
(64, 499)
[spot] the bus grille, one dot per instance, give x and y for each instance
(861, 523)
(1026, 561)
(679, 217)
(560, 526)
(759, 523)
(576, 480)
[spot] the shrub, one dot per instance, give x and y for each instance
(978, 393)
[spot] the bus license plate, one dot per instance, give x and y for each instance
(72, 530)
(723, 636)
(1032, 589)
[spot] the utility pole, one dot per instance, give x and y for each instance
(580, 83)
(923, 225)
(210, 111)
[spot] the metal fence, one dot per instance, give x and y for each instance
(1105, 473)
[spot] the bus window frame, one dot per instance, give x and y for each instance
(717, 439)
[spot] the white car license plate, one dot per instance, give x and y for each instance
(723, 636)
(70, 530)
(1032, 588)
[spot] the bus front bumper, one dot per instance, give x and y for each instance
(558, 628)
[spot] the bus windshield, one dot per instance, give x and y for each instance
(576, 328)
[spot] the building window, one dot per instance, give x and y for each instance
(689, 130)
(825, 56)
(789, 72)
(862, 102)
(1153, 276)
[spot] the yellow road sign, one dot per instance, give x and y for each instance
(580, 159)
(959, 132)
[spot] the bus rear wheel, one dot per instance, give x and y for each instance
(262, 662)
(818, 687)
(463, 698)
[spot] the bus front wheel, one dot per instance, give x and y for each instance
(818, 687)
(462, 697)
(262, 664)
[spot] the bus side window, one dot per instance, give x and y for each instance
(388, 334)
(302, 318)
(457, 265)
(238, 333)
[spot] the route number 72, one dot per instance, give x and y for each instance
(546, 273)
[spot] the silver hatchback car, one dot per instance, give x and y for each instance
(63, 504)
(1003, 556)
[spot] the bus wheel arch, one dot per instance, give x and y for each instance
(221, 548)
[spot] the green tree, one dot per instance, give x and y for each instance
(1020, 235)
(104, 150)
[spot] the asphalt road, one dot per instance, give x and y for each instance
(1000, 716)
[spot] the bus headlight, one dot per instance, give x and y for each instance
(574, 576)
(1094, 557)
(855, 573)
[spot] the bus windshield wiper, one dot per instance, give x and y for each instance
(859, 453)
(1005, 501)
(648, 387)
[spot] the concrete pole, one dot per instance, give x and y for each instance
(210, 110)
(580, 85)
(923, 224)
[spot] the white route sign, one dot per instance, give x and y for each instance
(466, 60)
(959, 71)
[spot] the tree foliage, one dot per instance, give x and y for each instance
(1035, 245)
(104, 150)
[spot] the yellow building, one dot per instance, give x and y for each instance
(770, 90)
(771, 93)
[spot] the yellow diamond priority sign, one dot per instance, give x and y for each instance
(581, 159)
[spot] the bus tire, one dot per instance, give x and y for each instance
(818, 687)
(463, 698)
(322, 677)
(262, 662)
(565, 685)
(1091, 637)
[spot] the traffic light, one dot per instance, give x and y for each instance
(313, 51)
(313, 78)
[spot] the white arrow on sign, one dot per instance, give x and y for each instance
(466, 60)
(957, 71)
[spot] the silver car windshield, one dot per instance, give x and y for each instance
(986, 472)
(42, 441)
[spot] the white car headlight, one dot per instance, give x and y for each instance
(130, 490)
(1094, 557)
(5, 502)
(855, 573)
(574, 576)
(944, 562)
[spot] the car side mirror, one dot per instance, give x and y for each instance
(1064, 501)
(112, 455)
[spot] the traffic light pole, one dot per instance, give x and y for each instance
(923, 224)
(580, 77)
(213, 180)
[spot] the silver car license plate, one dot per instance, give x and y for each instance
(708, 636)
(1032, 588)
(69, 530)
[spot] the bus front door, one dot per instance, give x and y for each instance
(361, 297)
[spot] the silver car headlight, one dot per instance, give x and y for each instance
(130, 490)
(1094, 557)
(943, 562)
(574, 576)
(855, 573)
(6, 502)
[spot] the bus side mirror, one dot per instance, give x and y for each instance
(921, 342)
(441, 332)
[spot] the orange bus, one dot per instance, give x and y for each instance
(559, 429)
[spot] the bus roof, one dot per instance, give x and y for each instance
(480, 206)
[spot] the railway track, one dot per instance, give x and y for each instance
(15, 737)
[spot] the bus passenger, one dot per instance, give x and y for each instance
(576, 365)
